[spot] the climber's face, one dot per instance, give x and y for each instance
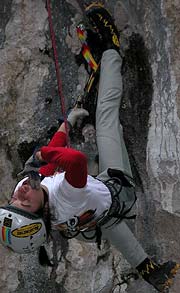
(28, 199)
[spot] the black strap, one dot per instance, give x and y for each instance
(127, 181)
(69, 234)
(98, 236)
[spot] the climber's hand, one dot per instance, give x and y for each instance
(75, 114)
(31, 169)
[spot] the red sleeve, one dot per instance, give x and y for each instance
(48, 170)
(73, 162)
(58, 140)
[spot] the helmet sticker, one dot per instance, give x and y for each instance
(6, 235)
(27, 230)
(6, 230)
(7, 222)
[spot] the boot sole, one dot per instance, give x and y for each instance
(169, 282)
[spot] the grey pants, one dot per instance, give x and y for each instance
(112, 149)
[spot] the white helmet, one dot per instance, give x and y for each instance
(21, 231)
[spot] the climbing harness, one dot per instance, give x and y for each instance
(121, 187)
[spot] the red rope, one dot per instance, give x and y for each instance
(58, 76)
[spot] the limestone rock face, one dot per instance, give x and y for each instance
(150, 113)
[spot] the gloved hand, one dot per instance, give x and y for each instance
(31, 169)
(75, 114)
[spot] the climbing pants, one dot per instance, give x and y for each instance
(112, 149)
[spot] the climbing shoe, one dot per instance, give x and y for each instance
(102, 22)
(160, 276)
